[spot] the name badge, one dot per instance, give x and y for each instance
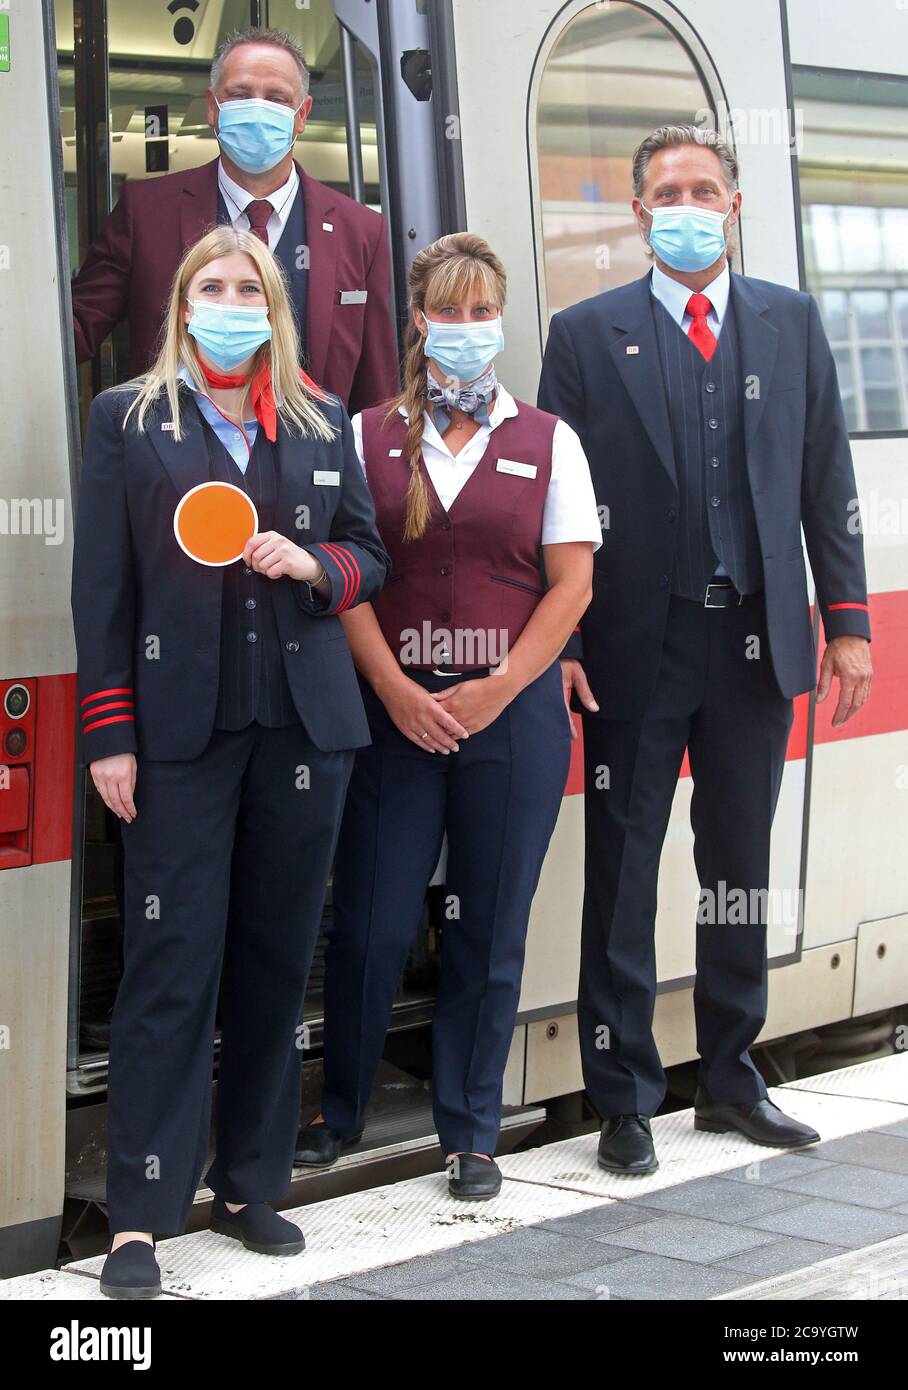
(167, 425)
(353, 296)
(522, 470)
(327, 477)
(394, 453)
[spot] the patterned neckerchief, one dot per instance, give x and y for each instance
(474, 399)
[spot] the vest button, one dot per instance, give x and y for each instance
(714, 462)
(715, 502)
(445, 569)
(292, 646)
(713, 424)
(252, 637)
(663, 581)
(710, 386)
(671, 514)
(446, 617)
(250, 603)
(446, 525)
(247, 569)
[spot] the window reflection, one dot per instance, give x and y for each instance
(853, 169)
(614, 74)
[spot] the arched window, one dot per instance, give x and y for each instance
(613, 73)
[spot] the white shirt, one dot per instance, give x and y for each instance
(674, 296)
(570, 512)
(238, 198)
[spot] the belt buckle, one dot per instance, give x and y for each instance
(717, 584)
(436, 672)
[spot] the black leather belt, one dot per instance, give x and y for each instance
(721, 593)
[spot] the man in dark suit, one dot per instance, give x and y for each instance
(708, 408)
(334, 251)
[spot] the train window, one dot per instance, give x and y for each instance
(853, 175)
(614, 74)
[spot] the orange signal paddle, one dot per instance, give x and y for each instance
(213, 522)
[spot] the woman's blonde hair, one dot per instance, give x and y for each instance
(296, 402)
(456, 267)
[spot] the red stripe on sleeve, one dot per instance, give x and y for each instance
(357, 578)
(862, 606)
(111, 719)
(117, 690)
(111, 704)
(343, 565)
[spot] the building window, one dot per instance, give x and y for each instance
(853, 174)
(615, 73)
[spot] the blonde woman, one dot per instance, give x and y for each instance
(220, 709)
(486, 507)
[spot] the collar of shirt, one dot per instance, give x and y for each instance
(238, 198)
(230, 435)
(673, 296)
(504, 408)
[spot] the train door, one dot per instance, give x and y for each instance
(544, 171)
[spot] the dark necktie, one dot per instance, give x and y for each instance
(699, 332)
(258, 212)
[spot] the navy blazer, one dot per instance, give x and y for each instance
(602, 374)
(132, 582)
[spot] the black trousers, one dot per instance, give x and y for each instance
(270, 802)
(498, 797)
(717, 696)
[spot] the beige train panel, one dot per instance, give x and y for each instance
(35, 507)
(818, 990)
(881, 970)
(34, 929)
(553, 941)
(883, 491)
(857, 865)
(512, 1085)
(553, 1058)
(836, 35)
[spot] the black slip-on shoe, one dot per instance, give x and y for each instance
(472, 1178)
(763, 1123)
(258, 1227)
(318, 1146)
(131, 1271)
(626, 1145)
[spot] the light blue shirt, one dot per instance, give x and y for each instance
(230, 435)
(673, 296)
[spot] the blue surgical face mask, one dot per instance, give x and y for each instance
(255, 133)
(464, 350)
(687, 238)
(228, 333)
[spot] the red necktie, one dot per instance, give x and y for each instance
(699, 332)
(258, 212)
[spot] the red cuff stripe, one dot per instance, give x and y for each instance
(341, 560)
(357, 578)
(111, 719)
(118, 690)
(111, 704)
(862, 606)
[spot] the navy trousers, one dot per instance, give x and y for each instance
(498, 799)
(717, 696)
(270, 802)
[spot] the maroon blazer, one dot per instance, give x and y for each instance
(352, 350)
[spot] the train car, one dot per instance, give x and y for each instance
(517, 120)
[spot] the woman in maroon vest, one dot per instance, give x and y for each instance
(486, 507)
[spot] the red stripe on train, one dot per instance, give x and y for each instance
(886, 711)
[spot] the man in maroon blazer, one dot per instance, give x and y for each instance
(334, 251)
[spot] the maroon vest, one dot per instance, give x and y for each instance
(463, 593)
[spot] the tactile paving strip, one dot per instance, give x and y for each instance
(686, 1153)
(56, 1285)
(346, 1235)
(885, 1079)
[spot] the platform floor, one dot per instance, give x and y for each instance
(721, 1219)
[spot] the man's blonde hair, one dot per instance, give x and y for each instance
(297, 403)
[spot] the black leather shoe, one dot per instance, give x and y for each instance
(626, 1145)
(472, 1178)
(258, 1227)
(318, 1146)
(131, 1271)
(764, 1123)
